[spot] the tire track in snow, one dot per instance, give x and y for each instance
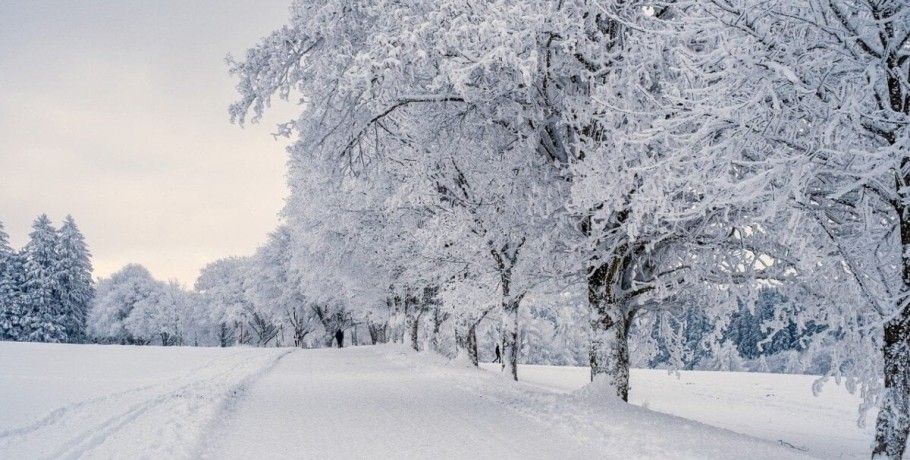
(61, 414)
(167, 419)
(89, 439)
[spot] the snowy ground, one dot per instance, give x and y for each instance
(65, 401)
(70, 401)
(774, 407)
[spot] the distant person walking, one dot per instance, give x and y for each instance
(498, 355)
(339, 337)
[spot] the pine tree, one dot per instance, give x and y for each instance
(75, 279)
(43, 315)
(10, 282)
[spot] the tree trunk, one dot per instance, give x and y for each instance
(434, 339)
(461, 340)
(438, 319)
(472, 345)
(510, 336)
(224, 335)
(398, 318)
(378, 332)
(893, 424)
(506, 260)
(415, 324)
(609, 353)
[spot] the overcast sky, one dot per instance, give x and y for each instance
(115, 111)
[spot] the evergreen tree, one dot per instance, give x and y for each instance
(757, 332)
(680, 338)
(75, 279)
(42, 309)
(10, 282)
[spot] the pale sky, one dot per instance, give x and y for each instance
(115, 111)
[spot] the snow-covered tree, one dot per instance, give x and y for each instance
(478, 127)
(42, 299)
(11, 281)
(831, 96)
(115, 299)
(348, 253)
(274, 291)
(221, 286)
(45, 289)
(554, 329)
(162, 315)
(424, 138)
(75, 279)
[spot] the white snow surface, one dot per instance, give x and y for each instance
(93, 401)
(775, 407)
(87, 401)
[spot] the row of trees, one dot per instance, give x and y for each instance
(46, 287)
(456, 158)
(254, 301)
(235, 301)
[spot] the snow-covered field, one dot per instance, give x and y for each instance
(71, 401)
(774, 407)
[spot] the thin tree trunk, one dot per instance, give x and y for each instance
(460, 340)
(378, 332)
(506, 260)
(472, 345)
(510, 338)
(223, 335)
(397, 319)
(438, 318)
(434, 339)
(509, 328)
(415, 324)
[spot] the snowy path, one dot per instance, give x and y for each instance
(386, 402)
(353, 404)
(133, 418)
